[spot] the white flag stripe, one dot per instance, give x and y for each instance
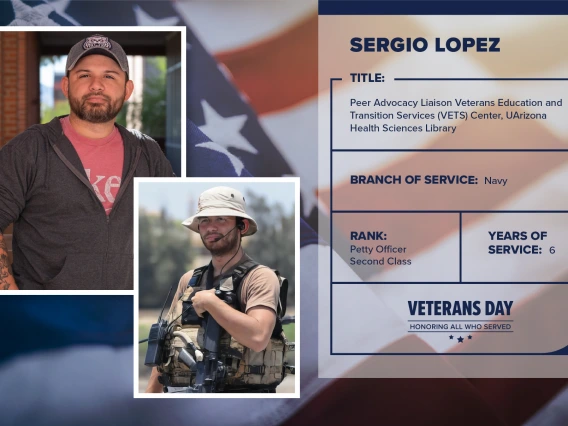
(554, 413)
(64, 387)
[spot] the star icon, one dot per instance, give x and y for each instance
(451, 337)
(470, 337)
(27, 15)
(235, 161)
(225, 131)
(460, 339)
(142, 18)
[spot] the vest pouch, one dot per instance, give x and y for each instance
(264, 368)
(176, 372)
(189, 316)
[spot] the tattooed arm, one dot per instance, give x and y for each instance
(7, 281)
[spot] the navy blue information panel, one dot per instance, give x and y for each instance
(443, 170)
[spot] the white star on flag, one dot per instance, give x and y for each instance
(235, 161)
(142, 18)
(37, 16)
(225, 131)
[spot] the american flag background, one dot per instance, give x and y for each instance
(252, 95)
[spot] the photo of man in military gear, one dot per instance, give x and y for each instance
(238, 294)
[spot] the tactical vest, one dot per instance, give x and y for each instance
(246, 369)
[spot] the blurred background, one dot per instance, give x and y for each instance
(167, 249)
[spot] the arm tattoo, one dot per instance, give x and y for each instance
(5, 270)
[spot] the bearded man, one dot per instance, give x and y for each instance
(68, 185)
(251, 322)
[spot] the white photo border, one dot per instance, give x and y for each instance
(102, 29)
(220, 181)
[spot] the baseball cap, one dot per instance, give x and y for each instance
(97, 45)
(220, 201)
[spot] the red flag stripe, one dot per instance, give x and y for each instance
(278, 72)
(282, 71)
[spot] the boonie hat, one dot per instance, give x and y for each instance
(220, 201)
(97, 45)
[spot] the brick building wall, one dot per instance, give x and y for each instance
(19, 83)
(19, 90)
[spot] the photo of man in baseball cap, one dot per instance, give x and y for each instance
(68, 185)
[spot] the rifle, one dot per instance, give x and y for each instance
(211, 371)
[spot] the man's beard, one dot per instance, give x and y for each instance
(226, 245)
(95, 113)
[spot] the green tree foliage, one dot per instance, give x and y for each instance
(153, 105)
(49, 113)
(154, 98)
(273, 245)
(164, 256)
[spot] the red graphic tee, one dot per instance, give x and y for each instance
(102, 159)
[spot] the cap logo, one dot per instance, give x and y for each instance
(97, 41)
